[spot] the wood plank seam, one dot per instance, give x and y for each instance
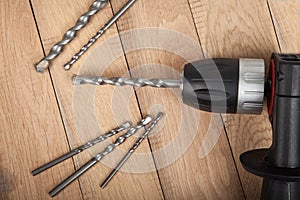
(138, 102)
(275, 30)
(224, 127)
(232, 155)
(55, 93)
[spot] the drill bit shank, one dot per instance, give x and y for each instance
(99, 156)
(81, 148)
(68, 65)
(136, 82)
(132, 149)
(70, 35)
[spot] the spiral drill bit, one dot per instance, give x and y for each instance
(68, 65)
(99, 156)
(132, 149)
(82, 148)
(70, 35)
(136, 82)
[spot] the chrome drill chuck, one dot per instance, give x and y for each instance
(225, 85)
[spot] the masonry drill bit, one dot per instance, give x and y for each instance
(70, 35)
(132, 149)
(81, 148)
(99, 156)
(217, 85)
(68, 65)
(136, 82)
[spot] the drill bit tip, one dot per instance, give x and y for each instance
(42, 66)
(146, 120)
(126, 125)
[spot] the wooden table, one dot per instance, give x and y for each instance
(38, 119)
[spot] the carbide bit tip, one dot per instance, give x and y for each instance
(126, 125)
(42, 66)
(146, 120)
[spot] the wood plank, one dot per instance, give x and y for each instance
(286, 17)
(235, 29)
(31, 131)
(189, 175)
(88, 112)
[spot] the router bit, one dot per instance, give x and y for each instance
(68, 65)
(132, 149)
(215, 85)
(70, 35)
(99, 156)
(81, 148)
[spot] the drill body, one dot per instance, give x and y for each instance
(280, 164)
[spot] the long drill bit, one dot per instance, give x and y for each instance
(68, 65)
(81, 148)
(99, 156)
(131, 151)
(136, 82)
(70, 35)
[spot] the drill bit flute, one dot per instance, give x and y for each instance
(81, 148)
(68, 65)
(132, 149)
(70, 35)
(136, 82)
(99, 156)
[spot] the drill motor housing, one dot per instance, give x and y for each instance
(280, 164)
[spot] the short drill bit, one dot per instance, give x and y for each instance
(99, 156)
(132, 149)
(68, 65)
(81, 148)
(70, 35)
(136, 82)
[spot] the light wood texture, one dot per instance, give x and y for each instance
(286, 17)
(78, 118)
(238, 29)
(186, 176)
(31, 130)
(43, 116)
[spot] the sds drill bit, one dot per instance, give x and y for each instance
(99, 156)
(117, 81)
(70, 35)
(132, 149)
(215, 85)
(68, 65)
(82, 148)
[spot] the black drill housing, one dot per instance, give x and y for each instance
(280, 164)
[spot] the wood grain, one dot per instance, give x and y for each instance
(31, 131)
(286, 18)
(43, 116)
(237, 29)
(189, 176)
(87, 112)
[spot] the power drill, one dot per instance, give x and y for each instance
(239, 86)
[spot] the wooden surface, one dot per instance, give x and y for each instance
(43, 115)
